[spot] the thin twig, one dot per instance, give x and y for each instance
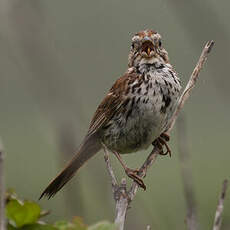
(119, 192)
(191, 83)
(110, 170)
(143, 170)
(122, 203)
(129, 196)
(184, 96)
(184, 156)
(220, 207)
(2, 189)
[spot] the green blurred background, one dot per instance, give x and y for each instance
(57, 61)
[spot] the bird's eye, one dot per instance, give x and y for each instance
(160, 43)
(135, 45)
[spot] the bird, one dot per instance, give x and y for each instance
(134, 114)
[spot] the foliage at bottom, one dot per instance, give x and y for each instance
(26, 215)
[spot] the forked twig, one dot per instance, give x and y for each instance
(124, 200)
(110, 170)
(119, 192)
(220, 207)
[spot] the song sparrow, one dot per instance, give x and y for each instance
(136, 111)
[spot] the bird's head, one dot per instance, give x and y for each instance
(147, 48)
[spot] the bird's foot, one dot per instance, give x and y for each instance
(160, 142)
(133, 174)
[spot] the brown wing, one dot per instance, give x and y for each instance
(112, 103)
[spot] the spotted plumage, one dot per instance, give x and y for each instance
(142, 122)
(135, 112)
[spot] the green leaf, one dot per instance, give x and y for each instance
(76, 224)
(20, 214)
(11, 227)
(103, 225)
(62, 225)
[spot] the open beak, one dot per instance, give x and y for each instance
(147, 49)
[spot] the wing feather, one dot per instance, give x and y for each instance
(112, 103)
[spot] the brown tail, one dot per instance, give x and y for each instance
(89, 148)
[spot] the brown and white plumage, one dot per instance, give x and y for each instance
(136, 110)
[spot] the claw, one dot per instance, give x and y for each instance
(162, 141)
(133, 173)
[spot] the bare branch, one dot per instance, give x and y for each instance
(220, 207)
(110, 170)
(184, 156)
(119, 192)
(143, 170)
(122, 203)
(191, 83)
(123, 200)
(2, 190)
(184, 96)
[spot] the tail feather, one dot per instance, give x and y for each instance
(89, 148)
